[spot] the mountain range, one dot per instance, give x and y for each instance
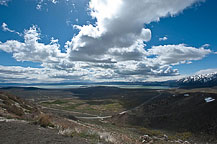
(202, 80)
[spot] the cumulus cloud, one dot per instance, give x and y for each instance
(5, 28)
(31, 49)
(163, 39)
(112, 49)
(130, 63)
(176, 54)
(119, 25)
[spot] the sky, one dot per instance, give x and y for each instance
(52, 41)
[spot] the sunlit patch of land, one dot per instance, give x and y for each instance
(95, 107)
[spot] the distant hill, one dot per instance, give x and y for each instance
(175, 110)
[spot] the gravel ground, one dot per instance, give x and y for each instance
(16, 132)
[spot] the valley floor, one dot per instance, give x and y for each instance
(108, 115)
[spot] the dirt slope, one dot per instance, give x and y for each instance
(18, 132)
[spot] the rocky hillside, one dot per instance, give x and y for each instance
(15, 107)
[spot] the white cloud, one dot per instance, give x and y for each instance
(206, 71)
(54, 1)
(4, 2)
(206, 45)
(176, 54)
(31, 49)
(119, 25)
(40, 3)
(17, 74)
(112, 49)
(38, 6)
(163, 39)
(5, 28)
(166, 78)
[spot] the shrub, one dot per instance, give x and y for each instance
(151, 132)
(45, 121)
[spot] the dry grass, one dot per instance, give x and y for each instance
(183, 136)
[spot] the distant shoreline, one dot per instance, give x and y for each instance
(87, 86)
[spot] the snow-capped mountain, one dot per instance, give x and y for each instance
(203, 80)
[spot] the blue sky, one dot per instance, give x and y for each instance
(102, 40)
(195, 26)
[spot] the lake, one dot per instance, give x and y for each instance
(85, 86)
